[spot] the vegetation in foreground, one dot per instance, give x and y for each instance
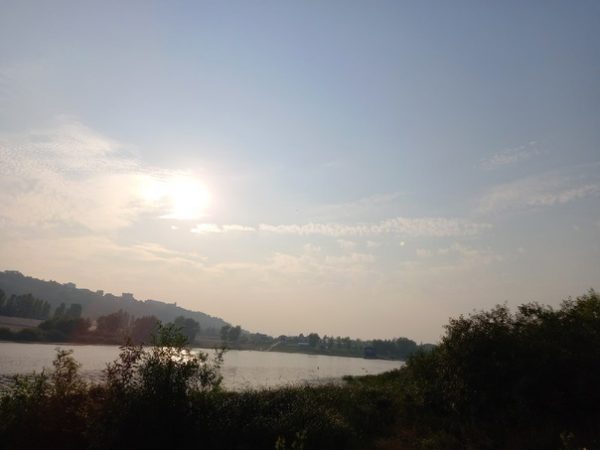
(498, 380)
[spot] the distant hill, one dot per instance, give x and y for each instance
(98, 303)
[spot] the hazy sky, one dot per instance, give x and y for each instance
(351, 168)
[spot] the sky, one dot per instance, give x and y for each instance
(353, 168)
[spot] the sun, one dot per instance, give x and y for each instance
(180, 197)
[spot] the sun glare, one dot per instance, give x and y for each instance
(180, 197)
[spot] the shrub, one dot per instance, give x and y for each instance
(500, 379)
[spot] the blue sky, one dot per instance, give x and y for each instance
(351, 168)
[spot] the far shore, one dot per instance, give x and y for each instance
(200, 346)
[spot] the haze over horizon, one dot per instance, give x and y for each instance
(340, 167)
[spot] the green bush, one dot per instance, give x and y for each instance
(5, 333)
(504, 380)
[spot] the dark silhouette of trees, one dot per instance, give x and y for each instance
(143, 401)
(231, 334)
(313, 340)
(74, 311)
(60, 311)
(400, 348)
(111, 324)
(143, 329)
(65, 328)
(26, 306)
(188, 327)
(499, 379)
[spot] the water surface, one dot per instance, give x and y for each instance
(241, 369)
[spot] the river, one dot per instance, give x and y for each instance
(241, 369)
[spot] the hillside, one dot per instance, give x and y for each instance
(98, 303)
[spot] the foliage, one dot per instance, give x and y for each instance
(146, 390)
(45, 408)
(143, 329)
(164, 396)
(111, 324)
(26, 306)
(66, 327)
(322, 417)
(230, 334)
(72, 312)
(313, 339)
(188, 327)
(155, 384)
(500, 379)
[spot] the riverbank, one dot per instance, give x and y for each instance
(32, 334)
(241, 369)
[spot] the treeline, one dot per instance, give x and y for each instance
(67, 325)
(399, 348)
(26, 306)
(96, 303)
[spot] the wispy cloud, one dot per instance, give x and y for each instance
(66, 176)
(208, 228)
(455, 257)
(511, 156)
(401, 226)
(72, 176)
(540, 191)
(346, 245)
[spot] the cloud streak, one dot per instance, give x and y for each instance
(539, 191)
(67, 176)
(511, 156)
(401, 226)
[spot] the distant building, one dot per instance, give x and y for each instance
(70, 285)
(127, 296)
(100, 292)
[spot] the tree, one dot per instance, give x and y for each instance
(25, 305)
(74, 311)
(111, 324)
(230, 334)
(143, 329)
(66, 327)
(313, 340)
(45, 314)
(235, 333)
(499, 375)
(225, 332)
(149, 391)
(60, 311)
(188, 327)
